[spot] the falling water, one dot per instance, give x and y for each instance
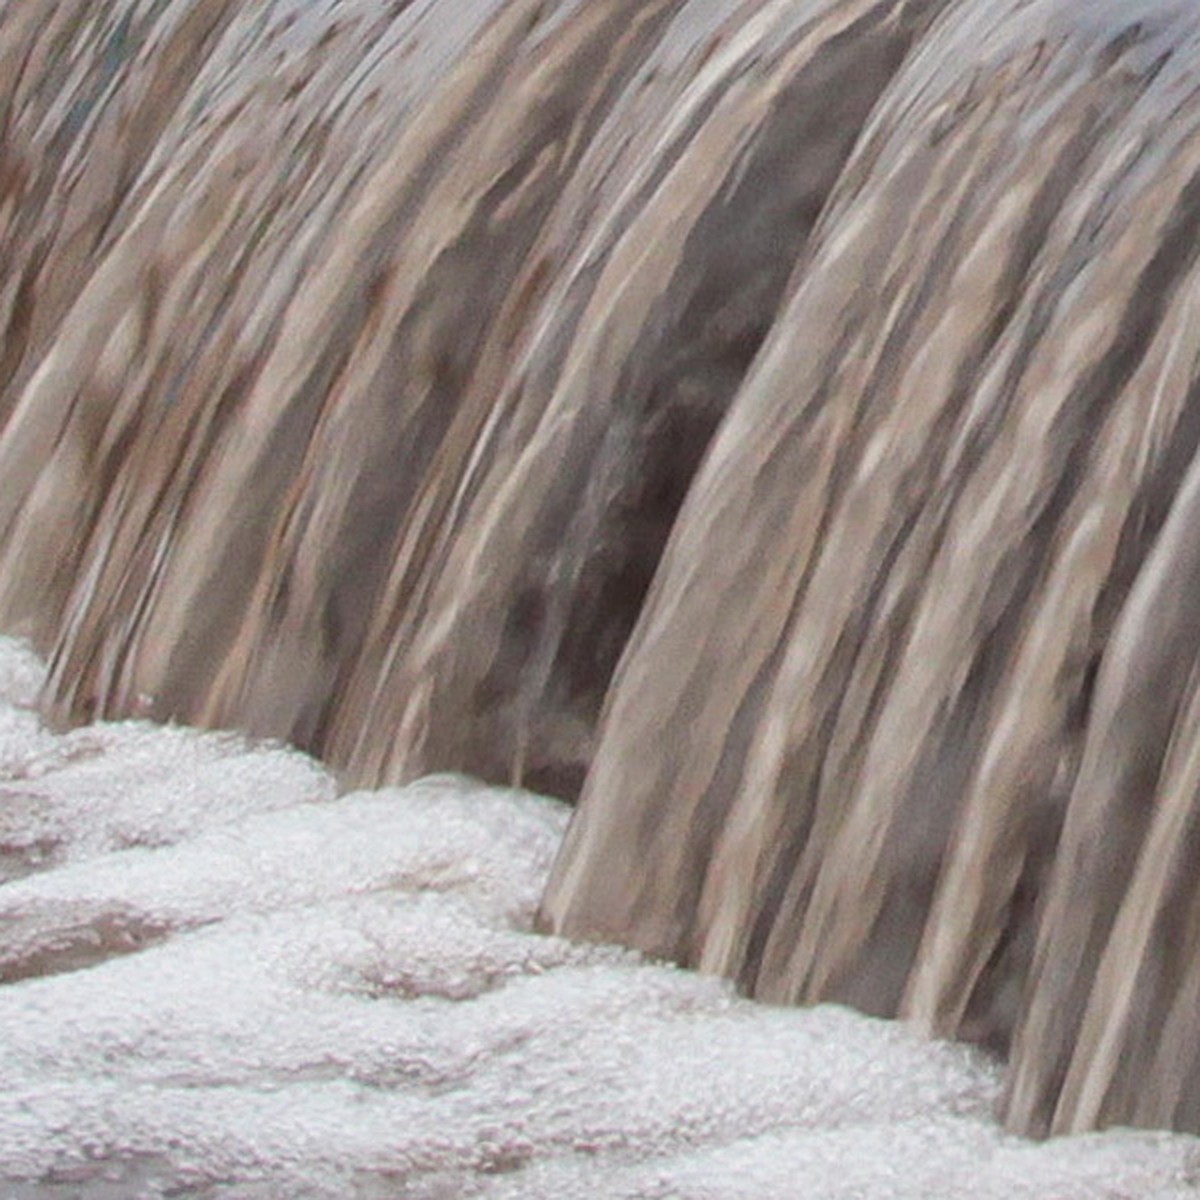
(223, 981)
(768, 423)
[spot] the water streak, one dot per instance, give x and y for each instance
(771, 421)
(219, 980)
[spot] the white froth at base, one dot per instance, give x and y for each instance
(222, 980)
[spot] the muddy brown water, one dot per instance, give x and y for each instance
(772, 423)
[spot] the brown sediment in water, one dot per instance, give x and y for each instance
(771, 420)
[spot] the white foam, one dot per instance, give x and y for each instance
(224, 981)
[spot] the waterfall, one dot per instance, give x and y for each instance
(771, 424)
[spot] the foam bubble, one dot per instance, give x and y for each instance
(221, 979)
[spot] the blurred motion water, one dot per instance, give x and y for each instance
(771, 424)
(222, 981)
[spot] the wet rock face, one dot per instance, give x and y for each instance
(773, 420)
